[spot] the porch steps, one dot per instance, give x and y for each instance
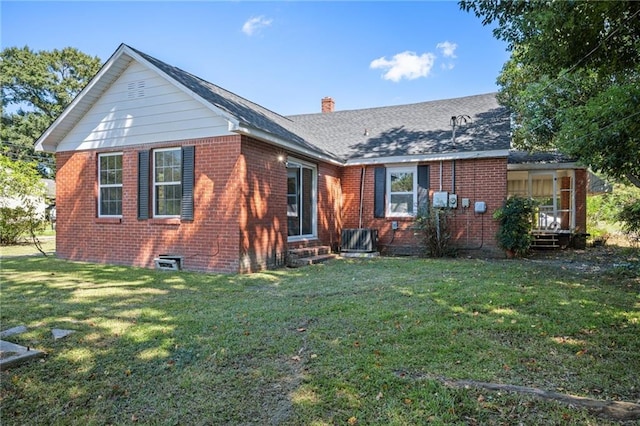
(545, 241)
(309, 256)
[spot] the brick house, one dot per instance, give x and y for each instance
(156, 163)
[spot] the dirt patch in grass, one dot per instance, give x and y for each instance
(592, 260)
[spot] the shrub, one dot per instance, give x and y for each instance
(630, 218)
(515, 218)
(432, 226)
(18, 221)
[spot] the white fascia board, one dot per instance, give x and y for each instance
(41, 144)
(400, 159)
(233, 121)
(544, 166)
(284, 144)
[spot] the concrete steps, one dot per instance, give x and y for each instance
(552, 241)
(309, 256)
(545, 241)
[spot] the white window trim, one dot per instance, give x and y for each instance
(153, 173)
(314, 200)
(402, 169)
(115, 185)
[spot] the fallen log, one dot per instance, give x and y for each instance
(616, 410)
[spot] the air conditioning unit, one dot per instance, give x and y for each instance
(359, 240)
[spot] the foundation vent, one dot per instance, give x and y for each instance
(168, 262)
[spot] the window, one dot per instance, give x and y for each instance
(167, 182)
(110, 184)
(166, 179)
(401, 191)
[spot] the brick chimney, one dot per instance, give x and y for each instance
(327, 104)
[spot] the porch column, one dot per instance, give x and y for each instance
(565, 202)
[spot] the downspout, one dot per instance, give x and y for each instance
(453, 176)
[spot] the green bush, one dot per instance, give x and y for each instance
(630, 218)
(18, 221)
(615, 212)
(515, 218)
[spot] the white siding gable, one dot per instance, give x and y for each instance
(142, 107)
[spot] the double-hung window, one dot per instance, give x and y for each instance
(400, 191)
(167, 182)
(110, 185)
(402, 185)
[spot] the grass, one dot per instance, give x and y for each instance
(350, 342)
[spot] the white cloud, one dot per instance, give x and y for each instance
(448, 49)
(407, 65)
(255, 24)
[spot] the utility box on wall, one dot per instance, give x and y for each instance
(441, 199)
(453, 201)
(480, 207)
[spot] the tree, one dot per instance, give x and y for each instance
(36, 87)
(573, 78)
(21, 182)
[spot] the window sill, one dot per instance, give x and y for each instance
(404, 217)
(108, 220)
(165, 221)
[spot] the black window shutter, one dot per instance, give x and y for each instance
(380, 179)
(188, 163)
(423, 187)
(143, 184)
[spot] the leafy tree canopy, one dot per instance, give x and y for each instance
(36, 87)
(573, 78)
(19, 180)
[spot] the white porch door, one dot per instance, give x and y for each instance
(301, 200)
(543, 189)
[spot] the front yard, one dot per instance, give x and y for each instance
(351, 342)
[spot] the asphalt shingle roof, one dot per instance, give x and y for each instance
(550, 157)
(414, 129)
(245, 111)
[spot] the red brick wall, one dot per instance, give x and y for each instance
(581, 176)
(479, 180)
(240, 210)
(209, 243)
(263, 212)
(329, 204)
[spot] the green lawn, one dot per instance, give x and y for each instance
(350, 342)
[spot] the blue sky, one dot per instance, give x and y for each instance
(286, 56)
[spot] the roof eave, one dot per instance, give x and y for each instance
(447, 156)
(545, 166)
(242, 128)
(46, 142)
(234, 122)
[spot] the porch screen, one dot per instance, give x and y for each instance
(553, 192)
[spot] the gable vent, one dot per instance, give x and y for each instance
(135, 89)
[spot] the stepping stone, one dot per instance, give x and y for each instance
(12, 354)
(14, 330)
(59, 333)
